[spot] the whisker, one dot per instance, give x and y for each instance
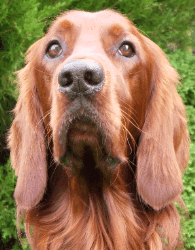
(128, 132)
(42, 118)
(43, 72)
(129, 118)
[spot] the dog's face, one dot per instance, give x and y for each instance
(94, 86)
(104, 95)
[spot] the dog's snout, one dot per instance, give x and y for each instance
(83, 76)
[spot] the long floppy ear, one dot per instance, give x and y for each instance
(163, 150)
(26, 140)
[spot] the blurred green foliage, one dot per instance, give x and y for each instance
(184, 62)
(169, 23)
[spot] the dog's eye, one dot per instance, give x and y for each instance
(126, 49)
(54, 50)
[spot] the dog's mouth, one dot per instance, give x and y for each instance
(87, 152)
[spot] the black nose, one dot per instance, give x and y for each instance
(84, 77)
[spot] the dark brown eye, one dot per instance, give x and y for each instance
(126, 49)
(54, 50)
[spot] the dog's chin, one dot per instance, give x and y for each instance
(86, 153)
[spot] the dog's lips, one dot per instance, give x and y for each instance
(85, 145)
(83, 133)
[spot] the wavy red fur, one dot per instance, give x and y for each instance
(99, 138)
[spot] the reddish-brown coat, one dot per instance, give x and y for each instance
(144, 122)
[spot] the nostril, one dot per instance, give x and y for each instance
(88, 77)
(94, 76)
(66, 79)
(69, 79)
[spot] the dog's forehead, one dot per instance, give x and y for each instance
(93, 20)
(104, 16)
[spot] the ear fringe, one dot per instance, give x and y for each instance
(164, 143)
(27, 143)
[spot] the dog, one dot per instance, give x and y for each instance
(99, 139)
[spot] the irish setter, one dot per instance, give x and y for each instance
(99, 138)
